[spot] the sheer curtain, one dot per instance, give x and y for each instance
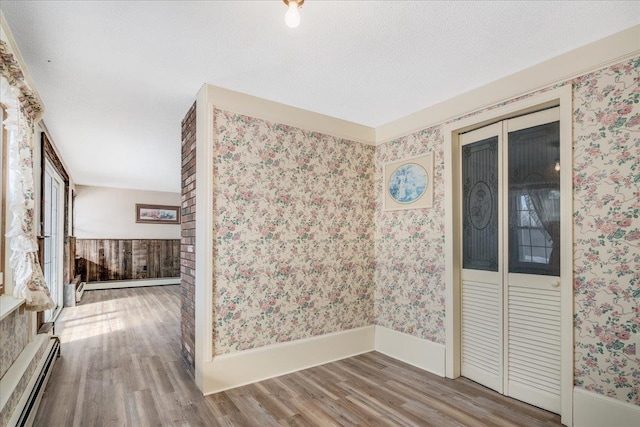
(23, 110)
(545, 202)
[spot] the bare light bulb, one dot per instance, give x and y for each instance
(557, 166)
(292, 17)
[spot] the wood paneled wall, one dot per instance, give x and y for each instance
(99, 260)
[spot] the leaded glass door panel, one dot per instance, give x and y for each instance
(510, 227)
(532, 280)
(481, 290)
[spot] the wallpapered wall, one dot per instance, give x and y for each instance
(294, 233)
(409, 248)
(409, 276)
(607, 230)
(295, 253)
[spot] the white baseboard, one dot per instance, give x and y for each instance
(245, 367)
(121, 284)
(595, 410)
(415, 351)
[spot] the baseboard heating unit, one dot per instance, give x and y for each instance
(25, 411)
(80, 291)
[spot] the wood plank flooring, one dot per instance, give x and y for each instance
(121, 366)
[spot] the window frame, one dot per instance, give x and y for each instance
(524, 267)
(3, 203)
(48, 154)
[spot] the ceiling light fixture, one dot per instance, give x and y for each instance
(292, 17)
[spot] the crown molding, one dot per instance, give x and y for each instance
(237, 102)
(578, 62)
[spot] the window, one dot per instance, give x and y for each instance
(53, 220)
(534, 244)
(480, 205)
(54, 211)
(534, 200)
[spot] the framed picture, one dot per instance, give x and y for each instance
(157, 214)
(408, 183)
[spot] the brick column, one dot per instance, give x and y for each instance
(188, 241)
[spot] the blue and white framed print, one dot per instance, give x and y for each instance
(408, 184)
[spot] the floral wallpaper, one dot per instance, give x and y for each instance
(606, 180)
(409, 254)
(294, 233)
(409, 248)
(303, 246)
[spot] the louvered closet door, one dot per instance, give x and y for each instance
(510, 294)
(482, 313)
(533, 278)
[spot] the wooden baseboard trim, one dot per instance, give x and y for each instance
(121, 284)
(415, 351)
(595, 410)
(232, 370)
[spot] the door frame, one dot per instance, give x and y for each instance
(60, 261)
(561, 97)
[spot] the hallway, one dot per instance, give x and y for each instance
(121, 365)
(120, 362)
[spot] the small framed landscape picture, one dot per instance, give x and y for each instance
(408, 183)
(157, 214)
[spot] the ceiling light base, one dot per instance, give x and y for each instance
(300, 2)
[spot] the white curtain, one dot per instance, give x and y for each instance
(21, 113)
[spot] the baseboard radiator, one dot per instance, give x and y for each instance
(27, 407)
(80, 291)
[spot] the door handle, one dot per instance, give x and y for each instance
(555, 284)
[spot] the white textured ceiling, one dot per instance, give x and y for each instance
(117, 77)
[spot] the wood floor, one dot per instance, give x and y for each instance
(121, 366)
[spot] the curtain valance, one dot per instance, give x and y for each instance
(23, 111)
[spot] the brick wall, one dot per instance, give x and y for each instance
(188, 241)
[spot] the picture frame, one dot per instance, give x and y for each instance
(157, 214)
(408, 183)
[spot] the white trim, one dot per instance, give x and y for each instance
(421, 353)
(232, 370)
(204, 268)
(55, 314)
(595, 410)
(56, 294)
(261, 108)
(566, 254)
(8, 304)
(12, 377)
(452, 258)
(588, 58)
(583, 60)
(591, 57)
(121, 284)
(562, 97)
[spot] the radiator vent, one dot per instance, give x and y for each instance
(34, 393)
